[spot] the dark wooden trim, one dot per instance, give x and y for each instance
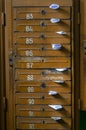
(2, 80)
(76, 5)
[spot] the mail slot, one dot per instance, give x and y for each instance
(34, 86)
(43, 50)
(43, 98)
(40, 38)
(42, 111)
(63, 25)
(52, 75)
(42, 12)
(44, 62)
(26, 123)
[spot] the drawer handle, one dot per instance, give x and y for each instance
(54, 6)
(61, 69)
(53, 93)
(59, 81)
(56, 107)
(56, 118)
(56, 46)
(61, 33)
(55, 20)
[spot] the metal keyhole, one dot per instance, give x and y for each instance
(43, 48)
(43, 97)
(43, 12)
(44, 73)
(43, 24)
(43, 85)
(43, 109)
(42, 36)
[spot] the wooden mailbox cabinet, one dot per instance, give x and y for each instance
(41, 52)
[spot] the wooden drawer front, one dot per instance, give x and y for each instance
(32, 86)
(42, 111)
(35, 28)
(41, 13)
(43, 98)
(41, 3)
(27, 75)
(23, 38)
(44, 63)
(43, 123)
(43, 51)
(46, 25)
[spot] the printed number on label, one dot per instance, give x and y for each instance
(29, 53)
(29, 29)
(29, 65)
(29, 41)
(31, 101)
(31, 126)
(29, 16)
(30, 77)
(30, 89)
(30, 113)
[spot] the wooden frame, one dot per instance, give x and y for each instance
(8, 84)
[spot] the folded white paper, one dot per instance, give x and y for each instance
(54, 6)
(56, 118)
(61, 33)
(53, 93)
(55, 20)
(56, 107)
(56, 46)
(61, 69)
(59, 81)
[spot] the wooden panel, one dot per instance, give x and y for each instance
(46, 25)
(50, 63)
(27, 75)
(49, 123)
(36, 13)
(42, 111)
(22, 87)
(43, 98)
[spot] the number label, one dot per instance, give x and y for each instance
(29, 29)
(29, 16)
(29, 65)
(31, 126)
(31, 101)
(29, 41)
(30, 77)
(30, 113)
(29, 53)
(30, 89)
